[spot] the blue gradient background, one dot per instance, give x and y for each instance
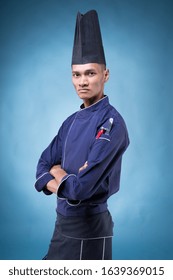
(36, 96)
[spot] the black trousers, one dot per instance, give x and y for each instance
(82, 238)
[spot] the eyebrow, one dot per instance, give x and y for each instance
(86, 71)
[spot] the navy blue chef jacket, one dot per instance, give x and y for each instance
(86, 192)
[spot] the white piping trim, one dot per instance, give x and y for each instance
(73, 205)
(103, 254)
(62, 198)
(104, 138)
(92, 238)
(81, 249)
(65, 144)
(93, 104)
(66, 177)
(41, 176)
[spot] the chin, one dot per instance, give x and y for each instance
(83, 96)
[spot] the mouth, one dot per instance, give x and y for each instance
(83, 90)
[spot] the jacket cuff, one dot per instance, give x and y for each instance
(42, 181)
(61, 186)
(46, 191)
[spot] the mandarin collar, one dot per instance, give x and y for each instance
(102, 103)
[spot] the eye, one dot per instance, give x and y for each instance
(91, 73)
(75, 75)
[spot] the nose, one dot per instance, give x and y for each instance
(83, 82)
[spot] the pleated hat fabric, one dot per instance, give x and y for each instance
(88, 46)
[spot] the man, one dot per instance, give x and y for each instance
(82, 164)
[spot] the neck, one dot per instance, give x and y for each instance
(92, 101)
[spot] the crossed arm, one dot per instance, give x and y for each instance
(58, 173)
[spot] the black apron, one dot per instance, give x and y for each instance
(82, 238)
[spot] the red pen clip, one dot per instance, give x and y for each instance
(101, 131)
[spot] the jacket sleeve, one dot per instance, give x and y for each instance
(51, 156)
(104, 154)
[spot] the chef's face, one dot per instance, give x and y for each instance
(88, 80)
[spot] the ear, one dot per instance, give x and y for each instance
(106, 75)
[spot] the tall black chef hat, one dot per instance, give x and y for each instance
(88, 47)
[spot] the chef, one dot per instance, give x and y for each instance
(82, 164)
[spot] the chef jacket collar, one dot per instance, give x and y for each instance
(102, 103)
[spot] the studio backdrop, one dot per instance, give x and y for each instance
(36, 96)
